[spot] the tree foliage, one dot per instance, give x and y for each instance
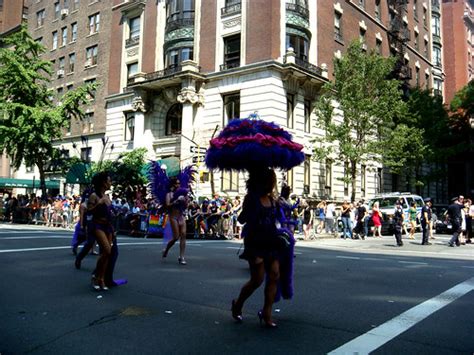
(357, 111)
(127, 171)
(30, 118)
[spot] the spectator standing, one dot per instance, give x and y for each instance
(426, 221)
(398, 219)
(469, 217)
(377, 219)
(346, 220)
(412, 212)
(361, 216)
(455, 217)
(235, 211)
(330, 214)
(321, 211)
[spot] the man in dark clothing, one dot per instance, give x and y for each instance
(455, 216)
(426, 221)
(361, 216)
(398, 218)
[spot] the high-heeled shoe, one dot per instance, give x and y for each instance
(164, 254)
(95, 284)
(181, 261)
(266, 322)
(236, 314)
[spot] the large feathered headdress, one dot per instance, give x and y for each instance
(160, 181)
(252, 143)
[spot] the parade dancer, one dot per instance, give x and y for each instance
(99, 205)
(259, 146)
(173, 193)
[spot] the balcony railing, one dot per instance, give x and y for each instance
(307, 66)
(158, 74)
(301, 10)
(231, 9)
(179, 23)
(435, 4)
(338, 36)
(230, 65)
(132, 41)
(437, 39)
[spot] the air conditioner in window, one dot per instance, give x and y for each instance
(64, 13)
(60, 73)
(88, 63)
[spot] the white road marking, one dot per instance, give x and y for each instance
(377, 337)
(412, 262)
(32, 249)
(468, 267)
(373, 259)
(42, 238)
(348, 257)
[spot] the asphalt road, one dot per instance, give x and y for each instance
(350, 297)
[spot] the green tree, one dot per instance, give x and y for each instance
(128, 171)
(30, 118)
(357, 111)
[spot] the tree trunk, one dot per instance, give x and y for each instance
(353, 179)
(42, 180)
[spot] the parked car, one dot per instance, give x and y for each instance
(387, 207)
(443, 225)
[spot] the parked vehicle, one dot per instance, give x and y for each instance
(443, 224)
(387, 207)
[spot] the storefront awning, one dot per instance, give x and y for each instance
(25, 183)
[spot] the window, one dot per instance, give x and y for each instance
(134, 27)
(91, 55)
(230, 181)
(40, 18)
(55, 40)
(427, 81)
(362, 38)
(57, 9)
(290, 110)
(438, 87)
(337, 26)
(66, 4)
(328, 178)
(87, 126)
(362, 3)
(86, 154)
(39, 40)
(378, 10)
(363, 182)
(307, 174)
(72, 62)
(437, 56)
(307, 116)
(179, 9)
(94, 23)
(231, 52)
(425, 17)
(380, 181)
(174, 120)
(175, 56)
(129, 126)
(378, 46)
(231, 107)
(426, 48)
(415, 9)
(417, 76)
(436, 26)
(91, 96)
(132, 69)
(417, 41)
(63, 36)
(74, 32)
(61, 63)
(75, 4)
(299, 44)
(69, 87)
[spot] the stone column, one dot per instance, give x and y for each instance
(138, 106)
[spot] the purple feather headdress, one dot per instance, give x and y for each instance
(160, 182)
(246, 144)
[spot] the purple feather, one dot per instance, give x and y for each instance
(159, 182)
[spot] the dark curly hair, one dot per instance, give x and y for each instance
(99, 179)
(262, 182)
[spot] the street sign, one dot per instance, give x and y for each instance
(197, 159)
(197, 149)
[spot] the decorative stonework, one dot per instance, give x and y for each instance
(232, 23)
(293, 19)
(181, 33)
(132, 52)
(189, 95)
(138, 104)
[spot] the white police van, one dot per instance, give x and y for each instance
(387, 207)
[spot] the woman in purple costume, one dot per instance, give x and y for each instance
(176, 205)
(99, 205)
(259, 213)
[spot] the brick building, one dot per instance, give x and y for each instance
(458, 31)
(181, 68)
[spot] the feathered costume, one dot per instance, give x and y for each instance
(253, 144)
(160, 186)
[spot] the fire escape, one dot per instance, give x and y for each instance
(398, 36)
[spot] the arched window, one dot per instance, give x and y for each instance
(173, 120)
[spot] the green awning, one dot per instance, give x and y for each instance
(78, 174)
(24, 183)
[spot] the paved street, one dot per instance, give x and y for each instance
(350, 296)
